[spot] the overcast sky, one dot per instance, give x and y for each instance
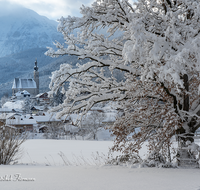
(53, 9)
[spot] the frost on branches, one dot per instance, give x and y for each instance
(158, 51)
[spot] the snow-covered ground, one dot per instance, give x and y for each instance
(46, 152)
(45, 169)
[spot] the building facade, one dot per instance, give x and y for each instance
(30, 85)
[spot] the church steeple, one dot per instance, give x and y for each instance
(36, 67)
(36, 77)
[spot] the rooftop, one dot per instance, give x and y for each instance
(23, 83)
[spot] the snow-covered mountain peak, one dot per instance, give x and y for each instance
(23, 29)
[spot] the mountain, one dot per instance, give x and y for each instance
(24, 36)
(23, 29)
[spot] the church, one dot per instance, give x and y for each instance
(29, 85)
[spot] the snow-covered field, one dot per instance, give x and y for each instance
(45, 169)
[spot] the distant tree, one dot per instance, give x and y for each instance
(92, 123)
(27, 105)
(54, 131)
(4, 99)
(58, 98)
(33, 102)
(6, 95)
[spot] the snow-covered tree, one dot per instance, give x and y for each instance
(4, 99)
(92, 123)
(26, 105)
(157, 49)
(57, 98)
(54, 131)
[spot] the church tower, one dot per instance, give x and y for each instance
(36, 77)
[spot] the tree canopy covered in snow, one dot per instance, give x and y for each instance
(158, 52)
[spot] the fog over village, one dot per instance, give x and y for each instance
(100, 94)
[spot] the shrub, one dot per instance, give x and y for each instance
(10, 142)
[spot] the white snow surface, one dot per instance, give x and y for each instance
(55, 176)
(14, 105)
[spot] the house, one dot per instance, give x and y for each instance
(4, 116)
(22, 122)
(43, 98)
(43, 129)
(47, 119)
(22, 94)
(37, 109)
(30, 122)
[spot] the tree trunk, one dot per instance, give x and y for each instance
(185, 136)
(186, 101)
(184, 156)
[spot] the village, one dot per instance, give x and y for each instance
(29, 111)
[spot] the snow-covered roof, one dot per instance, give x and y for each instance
(41, 108)
(10, 115)
(3, 115)
(43, 126)
(5, 110)
(23, 83)
(28, 119)
(24, 92)
(38, 95)
(13, 105)
(47, 117)
(6, 115)
(20, 120)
